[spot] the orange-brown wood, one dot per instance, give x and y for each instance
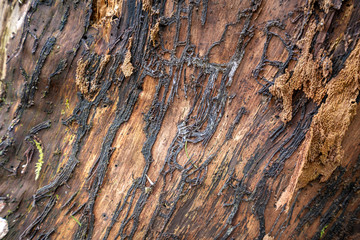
(181, 119)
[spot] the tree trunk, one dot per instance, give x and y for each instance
(184, 119)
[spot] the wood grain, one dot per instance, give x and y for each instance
(167, 120)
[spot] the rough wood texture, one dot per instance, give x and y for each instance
(187, 119)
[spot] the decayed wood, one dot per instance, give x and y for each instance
(180, 119)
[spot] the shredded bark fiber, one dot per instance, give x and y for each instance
(104, 13)
(154, 33)
(127, 68)
(146, 5)
(323, 150)
(87, 86)
(171, 139)
(309, 75)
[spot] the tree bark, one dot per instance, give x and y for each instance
(186, 119)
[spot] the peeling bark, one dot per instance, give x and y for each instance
(189, 119)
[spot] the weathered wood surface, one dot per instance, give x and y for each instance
(181, 119)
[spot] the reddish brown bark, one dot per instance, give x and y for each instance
(181, 119)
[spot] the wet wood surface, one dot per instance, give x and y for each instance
(195, 119)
